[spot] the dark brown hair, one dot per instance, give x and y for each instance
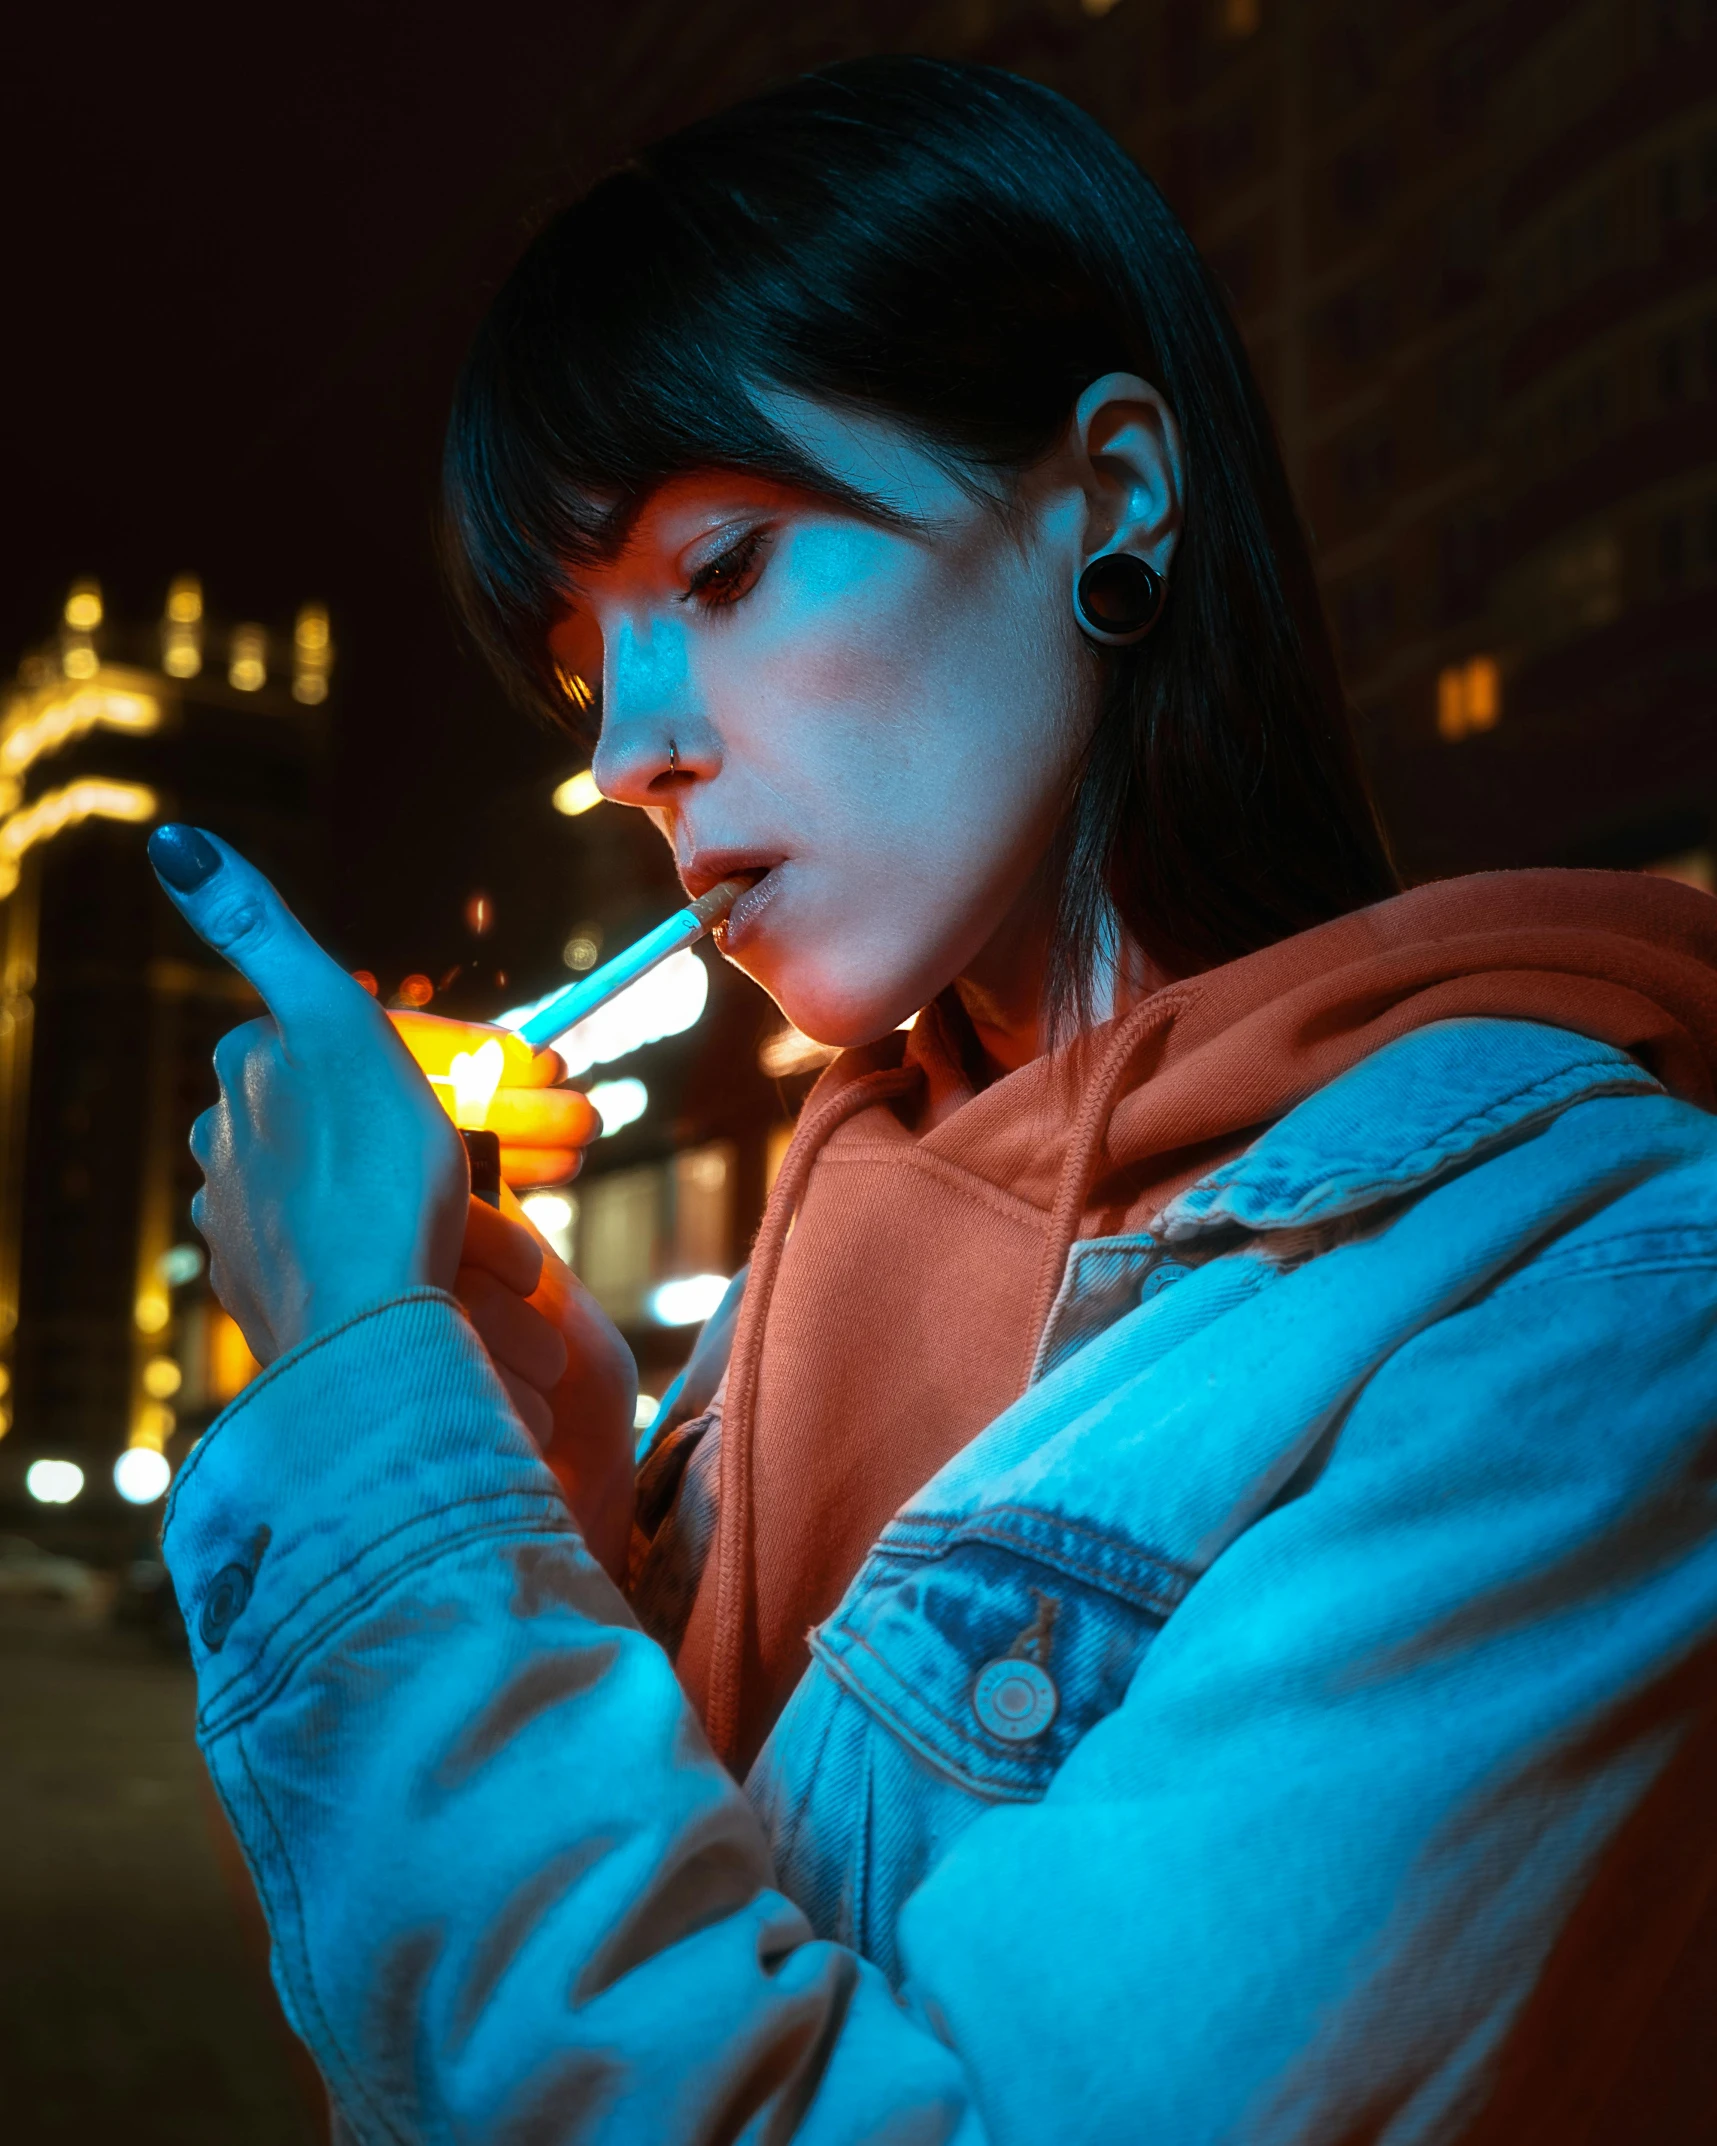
(961, 252)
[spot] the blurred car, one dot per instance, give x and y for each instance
(31, 1574)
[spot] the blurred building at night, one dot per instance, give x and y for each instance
(110, 1341)
(1473, 249)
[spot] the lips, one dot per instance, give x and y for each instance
(736, 927)
(707, 868)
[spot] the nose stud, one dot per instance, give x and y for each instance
(673, 758)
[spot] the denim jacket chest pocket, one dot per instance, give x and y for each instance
(990, 1644)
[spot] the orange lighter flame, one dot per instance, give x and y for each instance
(473, 1077)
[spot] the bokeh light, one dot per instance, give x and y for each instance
(577, 794)
(141, 1475)
(618, 1103)
(161, 1378)
(53, 1482)
(553, 1213)
(688, 1300)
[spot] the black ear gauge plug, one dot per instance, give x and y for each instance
(483, 1152)
(1118, 599)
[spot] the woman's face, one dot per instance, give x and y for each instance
(881, 723)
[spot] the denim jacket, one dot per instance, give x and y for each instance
(1216, 1749)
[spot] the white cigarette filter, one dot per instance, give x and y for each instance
(684, 928)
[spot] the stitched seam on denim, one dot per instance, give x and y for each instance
(359, 2091)
(802, 1804)
(289, 1362)
(1571, 1269)
(880, 1710)
(952, 1523)
(418, 1519)
(1163, 1600)
(1166, 1597)
(961, 1734)
(1163, 1603)
(844, 1625)
(270, 1678)
(1386, 1177)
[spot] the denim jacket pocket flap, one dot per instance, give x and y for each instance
(990, 1645)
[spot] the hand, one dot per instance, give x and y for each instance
(333, 1177)
(543, 1129)
(561, 1359)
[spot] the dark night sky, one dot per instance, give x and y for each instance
(243, 254)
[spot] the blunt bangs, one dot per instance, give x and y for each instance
(961, 253)
(851, 252)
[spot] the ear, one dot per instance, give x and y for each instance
(1126, 450)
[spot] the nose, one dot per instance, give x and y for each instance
(655, 741)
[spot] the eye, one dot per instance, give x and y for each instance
(731, 574)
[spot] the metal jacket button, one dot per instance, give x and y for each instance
(1014, 1699)
(224, 1603)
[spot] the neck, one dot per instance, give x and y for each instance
(1005, 991)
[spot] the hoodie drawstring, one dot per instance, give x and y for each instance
(1085, 1142)
(733, 1600)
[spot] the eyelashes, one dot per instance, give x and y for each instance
(730, 575)
(722, 580)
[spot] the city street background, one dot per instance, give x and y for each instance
(1472, 248)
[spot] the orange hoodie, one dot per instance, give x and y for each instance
(901, 1278)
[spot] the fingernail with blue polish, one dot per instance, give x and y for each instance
(183, 857)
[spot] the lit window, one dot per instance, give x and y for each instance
(312, 655)
(185, 600)
(619, 1220)
(703, 1207)
(247, 665)
(1469, 698)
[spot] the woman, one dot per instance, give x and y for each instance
(1198, 1540)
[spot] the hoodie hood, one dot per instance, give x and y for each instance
(901, 1279)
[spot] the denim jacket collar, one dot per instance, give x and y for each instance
(1412, 1113)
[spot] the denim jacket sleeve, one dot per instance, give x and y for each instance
(1298, 1886)
(512, 1895)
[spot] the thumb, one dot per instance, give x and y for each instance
(232, 908)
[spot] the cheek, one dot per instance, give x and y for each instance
(901, 679)
(909, 744)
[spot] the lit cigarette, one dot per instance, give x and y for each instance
(684, 928)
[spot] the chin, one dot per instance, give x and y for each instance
(843, 1013)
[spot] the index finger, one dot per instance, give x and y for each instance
(233, 909)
